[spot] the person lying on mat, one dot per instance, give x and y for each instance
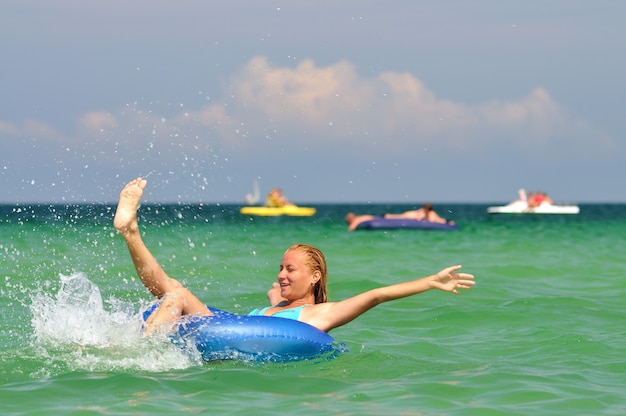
(425, 213)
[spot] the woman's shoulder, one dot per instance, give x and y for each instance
(320, 315)
(317, 308)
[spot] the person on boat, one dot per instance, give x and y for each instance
(547, 199)
(535, 199)
(275, 198)
(300, 292)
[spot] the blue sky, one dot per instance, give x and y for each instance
(334, 101)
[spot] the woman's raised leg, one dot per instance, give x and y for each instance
(176, 300)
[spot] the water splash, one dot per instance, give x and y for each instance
(75, 331)
(75, 315)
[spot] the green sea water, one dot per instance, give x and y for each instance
(543, 332)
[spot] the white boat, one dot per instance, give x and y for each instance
(521, 207)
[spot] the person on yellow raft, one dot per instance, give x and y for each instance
(276, 199)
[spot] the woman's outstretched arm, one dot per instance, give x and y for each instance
(334, 314)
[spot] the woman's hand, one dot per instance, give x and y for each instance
(273, 295)
(449, 281)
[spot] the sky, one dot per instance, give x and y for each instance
(402, 101)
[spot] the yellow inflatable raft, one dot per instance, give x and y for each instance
(292, 210)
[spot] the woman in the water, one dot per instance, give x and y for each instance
(300, 292)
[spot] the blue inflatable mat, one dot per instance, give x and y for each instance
(397, 223)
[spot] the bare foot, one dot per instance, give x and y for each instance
(125, 220)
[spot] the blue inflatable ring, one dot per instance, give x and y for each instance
(228, 336)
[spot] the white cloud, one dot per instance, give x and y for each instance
(335, 104)
(333, 107)
(98, 120)
(9, 129)
(31, 129)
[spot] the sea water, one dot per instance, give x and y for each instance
(543, 331)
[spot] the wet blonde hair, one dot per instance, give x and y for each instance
(315, 261)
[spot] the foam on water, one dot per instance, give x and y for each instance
(73, 329)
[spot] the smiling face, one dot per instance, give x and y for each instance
(296, 279)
